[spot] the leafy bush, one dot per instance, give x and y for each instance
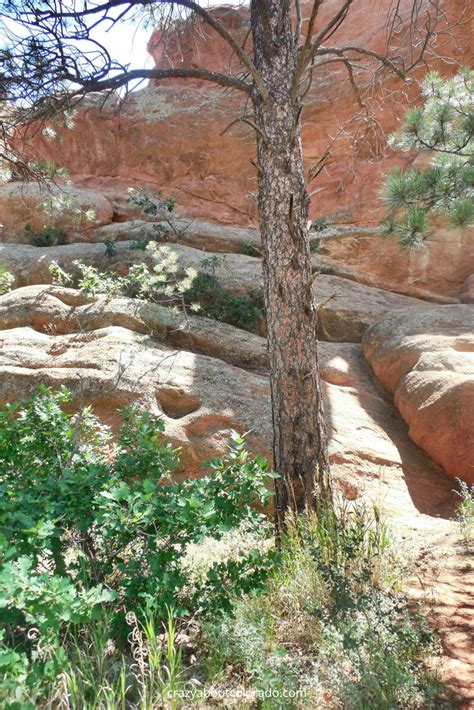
(110, 248)
(215, 301)
(315, 246)
(49, 236)
(155, 205)
(91, 528)
(167, 284)
(151, 205)
(249, 249)
(164, 283)
(6, 280)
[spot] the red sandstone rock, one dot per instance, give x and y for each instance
(439, 266)
(466, 292)
(425, 357)
(28, 203)
(170, 137)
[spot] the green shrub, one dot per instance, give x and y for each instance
(6, 280)
(332, 623)
(319, 224)
(155, 205)
(49, 236)
(465, 511)
(92, 527)
(163, 283)
(151, 205)
(110, 248)
(249, 249)
(215, 301)
(201, 291)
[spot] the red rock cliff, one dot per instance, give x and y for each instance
(170, 136)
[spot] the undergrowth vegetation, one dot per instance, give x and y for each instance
(123, 588)
(465, 511)
(94, 530)
(7, 280)
(48, 236)
(172, 285)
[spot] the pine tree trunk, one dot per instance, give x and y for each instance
(300, 438)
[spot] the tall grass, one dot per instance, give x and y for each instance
(332, 624)
(465, 511)
(145, 674)
(331, 629)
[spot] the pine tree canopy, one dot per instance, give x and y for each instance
(444, 127)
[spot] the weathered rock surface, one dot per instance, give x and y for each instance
(438, 267)
(28, 203)
(57, 310)
(466, 292)
(208, 236)
(120, 351)
(349, 308)
(29, 265)
(111, 352)
(346, 312)
(425, 357)
(170, 136)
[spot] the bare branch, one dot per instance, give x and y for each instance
(246, 119)
(116, 82)
(330, 28)
(195, 7)
(340, 52)
(303, 58)
(299, 20)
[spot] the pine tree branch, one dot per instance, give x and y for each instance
(341, 51)
(187, 4)
(115, 82)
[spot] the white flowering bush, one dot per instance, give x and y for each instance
(166, 282)
(442, 126)
(6, 280)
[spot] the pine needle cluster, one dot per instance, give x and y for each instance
(444, 127)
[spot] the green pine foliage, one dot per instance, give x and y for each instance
(444, 127)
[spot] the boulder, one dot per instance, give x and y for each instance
(438, 267)
(57, 310)
(425, 358)
(114, 352)
(53, 309)
(73, 208)
(347, 308)
(237, 272)
(208, 236)
(466, 292)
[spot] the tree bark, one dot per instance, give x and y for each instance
(300, 438)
